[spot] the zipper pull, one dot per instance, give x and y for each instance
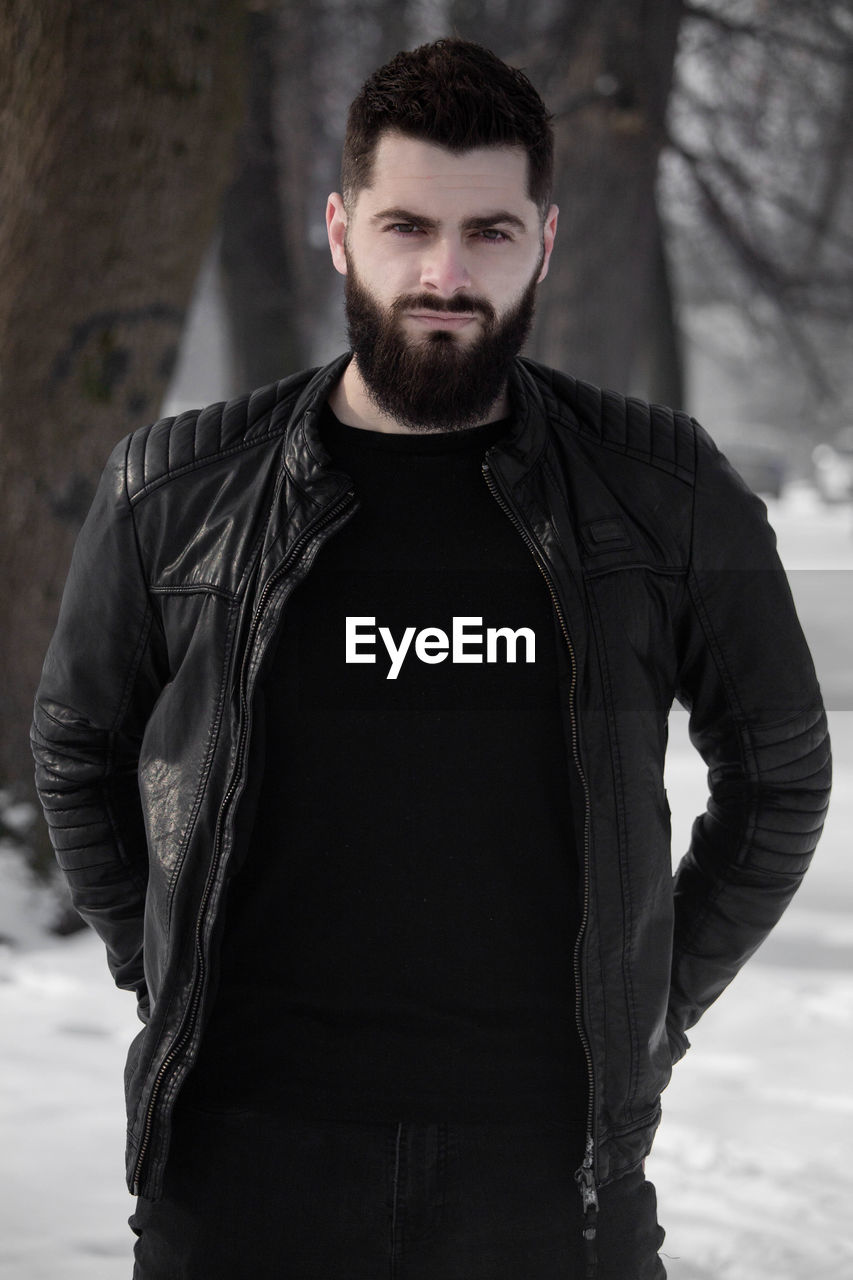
(585, 1179)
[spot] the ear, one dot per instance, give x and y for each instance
(336, 226)
(549, 231)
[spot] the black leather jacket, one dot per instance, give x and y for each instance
(665, 583)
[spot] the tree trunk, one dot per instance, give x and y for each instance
(658, 368)
(265, 335)
(118, 122)
(609, 93)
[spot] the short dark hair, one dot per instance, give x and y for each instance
(457, 95)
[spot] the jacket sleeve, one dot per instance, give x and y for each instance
(757, 718)
(98, 685)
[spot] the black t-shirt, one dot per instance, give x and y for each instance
(399, 942)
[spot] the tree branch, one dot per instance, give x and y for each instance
(750, 185)
(766, 274)
(756, 31)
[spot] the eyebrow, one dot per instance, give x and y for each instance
(478, 223)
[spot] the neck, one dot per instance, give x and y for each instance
(351, 404)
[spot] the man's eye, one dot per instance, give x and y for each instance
(493, 235)
(403, 228)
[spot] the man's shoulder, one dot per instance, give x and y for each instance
(654, 434)
(196, 438)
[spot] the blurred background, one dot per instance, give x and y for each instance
(163, 176)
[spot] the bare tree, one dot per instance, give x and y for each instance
(606, 71)
(759, 198)
(117, 127)
(256, 257)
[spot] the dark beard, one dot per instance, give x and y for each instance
(435, 383)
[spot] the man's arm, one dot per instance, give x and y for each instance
(757, 718)
(99, 682)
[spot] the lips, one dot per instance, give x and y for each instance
(442, 319)
(422, 305)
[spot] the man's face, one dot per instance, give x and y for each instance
(442, 255)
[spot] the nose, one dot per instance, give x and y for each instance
(443, 268)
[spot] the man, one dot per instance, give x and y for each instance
(351, 739)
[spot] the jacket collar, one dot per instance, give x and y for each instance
(517, 453)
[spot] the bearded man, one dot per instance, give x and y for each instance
(351, 738)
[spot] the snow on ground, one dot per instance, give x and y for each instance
(63, 1205)
(752, 1160)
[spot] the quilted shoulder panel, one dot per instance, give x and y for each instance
(199, 436)
(654, 433)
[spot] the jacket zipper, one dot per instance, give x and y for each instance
(585, 1175)
(297, 550)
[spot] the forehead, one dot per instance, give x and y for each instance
(412, 173)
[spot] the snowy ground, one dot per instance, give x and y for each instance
(752, 1163)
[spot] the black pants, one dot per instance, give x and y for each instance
(278, 1199)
